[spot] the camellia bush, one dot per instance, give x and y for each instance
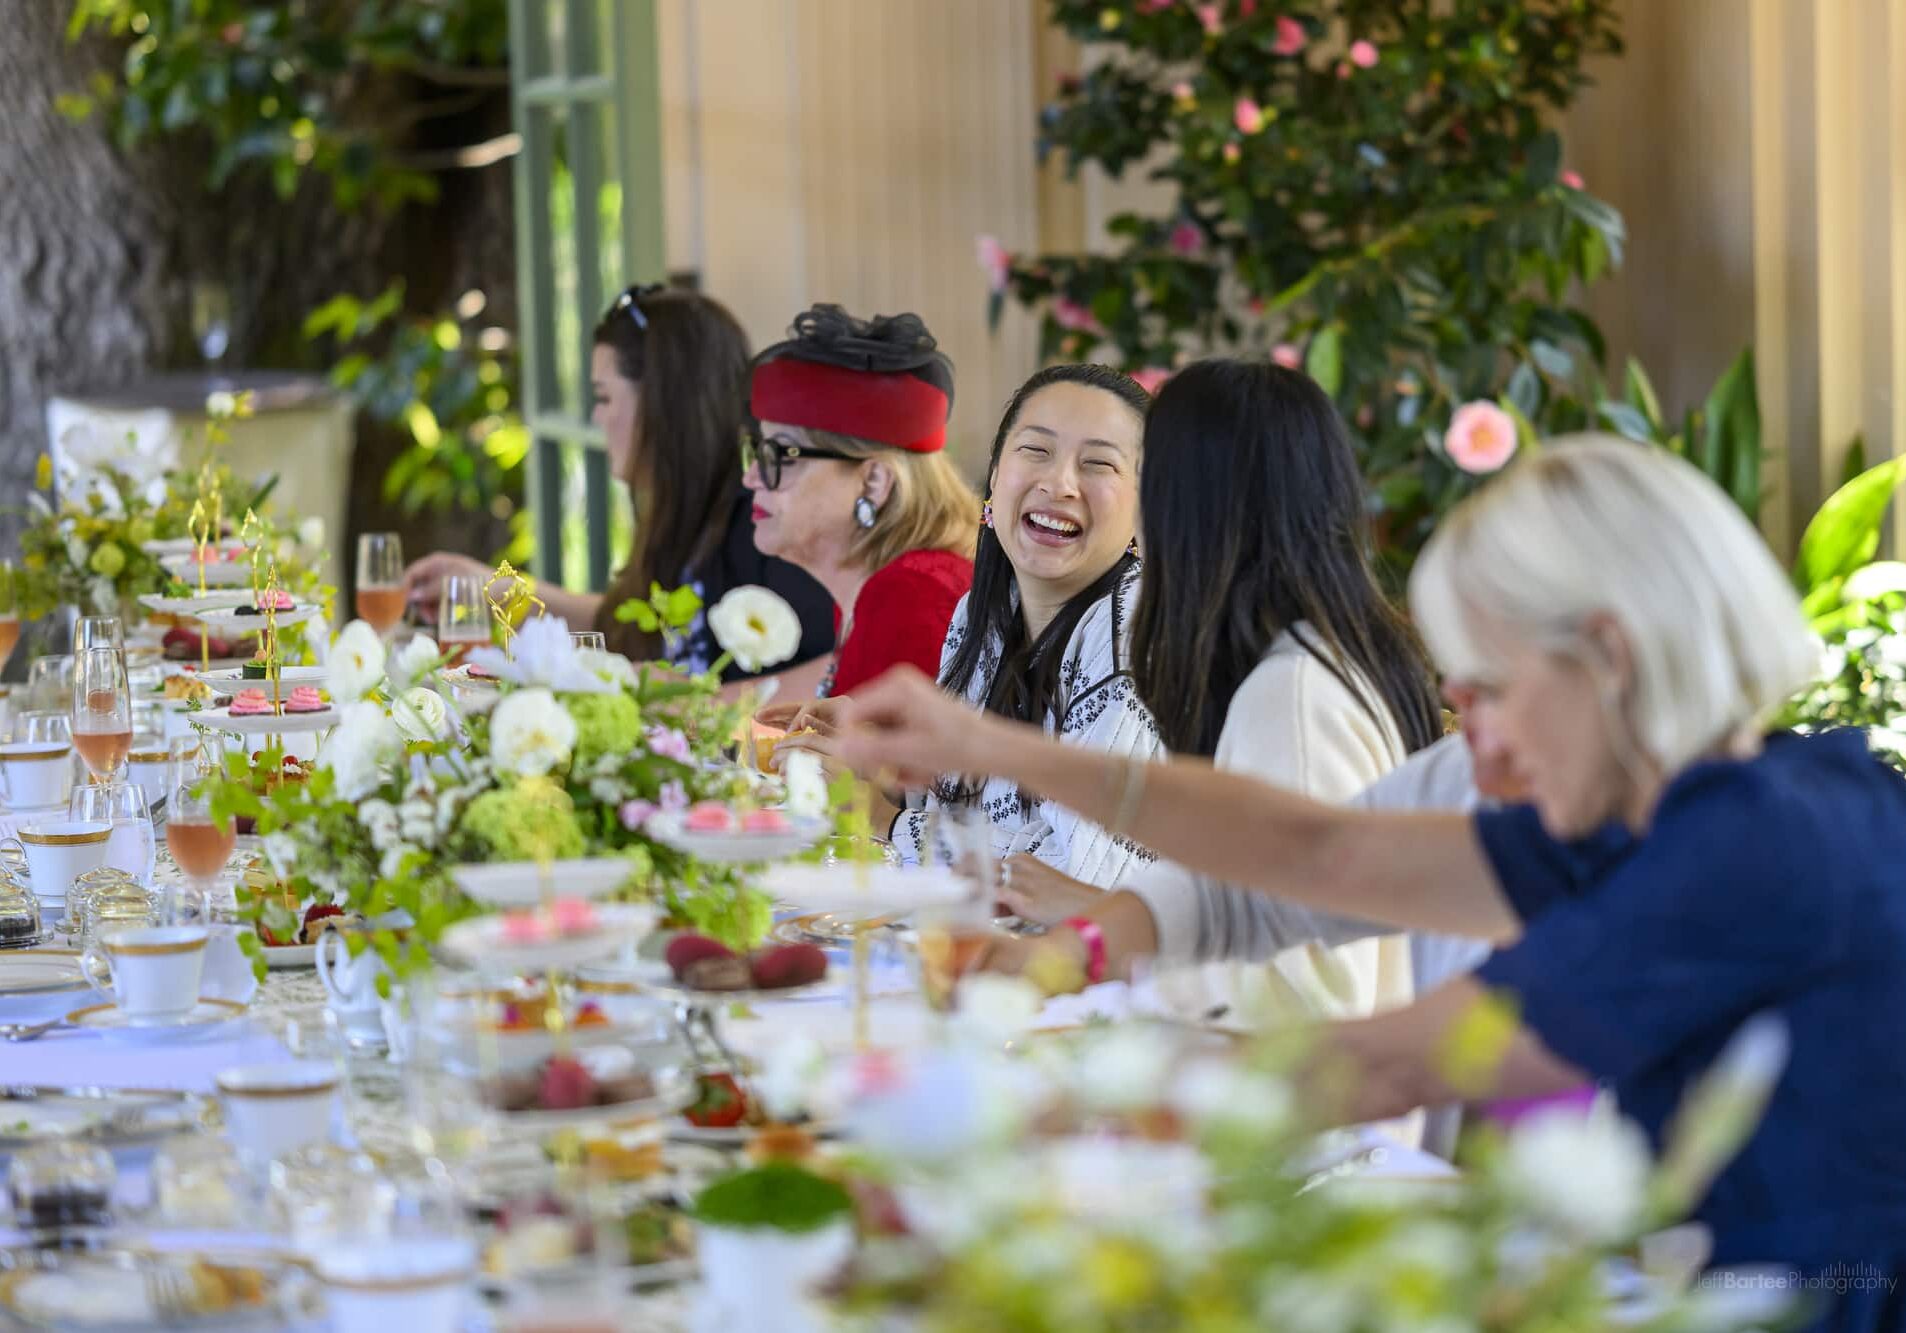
(1369, 189)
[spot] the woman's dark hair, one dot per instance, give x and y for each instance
(691, 359)
(1252, 519)
(887, 344)
(1025, 686)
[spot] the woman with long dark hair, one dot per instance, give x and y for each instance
(1261, 641)
(669, 372)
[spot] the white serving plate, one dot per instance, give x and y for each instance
(735, 847)
(288, 675)
(481, 942)
(213, 600)
(281, 956)
(40, 983)
(859, 892)
(218, 573)
(520, 883)
(266, 724)
(228, 618)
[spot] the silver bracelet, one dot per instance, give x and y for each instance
(1131, 792)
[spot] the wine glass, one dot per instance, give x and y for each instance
(99, 632)
(49, 684)
(132, 846)
(463, 617)
(199, 844)
(380, 580)
(9, 609)
(102, 711)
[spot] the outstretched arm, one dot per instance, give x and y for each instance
(1416, 871)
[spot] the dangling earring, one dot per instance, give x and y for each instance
(986, 514)
(1131, 547)
(864, 512)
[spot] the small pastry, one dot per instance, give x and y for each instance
(251, 703)
(708, 817)
(277, 599)
(571, 916)
(305, 699)
(765, 821)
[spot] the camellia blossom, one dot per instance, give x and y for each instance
(1187, 237)
(1152, 378)
(1481, 437)
(996, 261)
(1232, 153)
(1183, 95)
(1573, 179)
(1290, 36)
(530, 733)
(1363, 54)
(1288, 355)
(1069, 314)
(1249, 116)
(357, 662)
(1209, 16)
(635, 813)
(756, 627)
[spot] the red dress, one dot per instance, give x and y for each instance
(901, 616)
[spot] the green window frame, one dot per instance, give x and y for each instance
(588, 192)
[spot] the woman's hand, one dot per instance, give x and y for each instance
(1038, 893)
(908, 731)
(798, 713)
(424, 580)
(1055, 960)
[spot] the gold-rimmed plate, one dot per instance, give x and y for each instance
(117, 1291)
(206, 1019)
(113, 1118)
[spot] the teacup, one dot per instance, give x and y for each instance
(275, 1108)
(148, 771)
(421, 1285)
(35, 775)
(151, 973)
(350, 984)
(59, 851)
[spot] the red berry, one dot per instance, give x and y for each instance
(566, 1086)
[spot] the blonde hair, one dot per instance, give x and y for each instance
(1597, 525)
(931, 506)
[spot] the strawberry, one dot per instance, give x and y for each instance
(565, 1086)
(719, 1102)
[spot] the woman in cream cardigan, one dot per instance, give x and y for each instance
(1261, 641)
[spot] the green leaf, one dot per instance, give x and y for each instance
(1641, 395)
(1324, 361)
(1625, 419)
(680, 607)
(639, 613)
(339, 314)
(1845, 533)
(1524, 389)
(1545, 159)
(1551, 359)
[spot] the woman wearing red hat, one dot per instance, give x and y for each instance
(852, 484)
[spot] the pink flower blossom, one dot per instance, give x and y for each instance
(668, 743)
(1182, 93)
(1247, 8)
(1290, 36)
(1249, 116)
(1069, 314)
(1573, 179)
(1208, 15)
(1152, 378)
(634, 814)
(674, 797)
(1481, 437)
(1363, 54)
(1288, 355)
(996, 261)
(1187, 238)
(1232, 153)
(1343, 69)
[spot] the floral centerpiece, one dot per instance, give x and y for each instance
(569, 755)
(1130, 1177)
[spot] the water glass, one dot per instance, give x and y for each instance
(49, 684)
(132, 847)
(99, 632)
(463, 617)
(590, 639)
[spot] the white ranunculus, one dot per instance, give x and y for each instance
(360, 752)
(994, 1009)
(221, 403)
(530, 733)
(420, 714)
(541, 654)
(311, 533)
(1124, 1067)
(1585, 1173)
(791, 1078)
(1219, 1092)
(756, 626)
(411, 661)
(612, 667)
(357, 662)
(807, 784)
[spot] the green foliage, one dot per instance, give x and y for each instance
(1404, 225)
(280, 88)
(778, 1195)
(450, 386)
(1722, 437)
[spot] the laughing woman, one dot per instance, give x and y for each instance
(1625, 630)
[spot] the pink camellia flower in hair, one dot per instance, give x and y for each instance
(1481, 437)
(1249, 116)
(1152, 378)
(1363, 54)
(1187, 238)
(1288, 355)
(1573, 179)
(996, 261)
(1290, 36)
(1071, 315)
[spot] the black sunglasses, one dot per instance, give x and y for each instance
(631, 301)
(770, 454)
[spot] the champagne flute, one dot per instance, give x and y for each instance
(9, 609)
(199, 844)
(463, 617)
(380, 580)
(102, 711)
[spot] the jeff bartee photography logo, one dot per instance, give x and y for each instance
(1837, 1279)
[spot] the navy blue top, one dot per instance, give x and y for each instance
(1773, 884)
